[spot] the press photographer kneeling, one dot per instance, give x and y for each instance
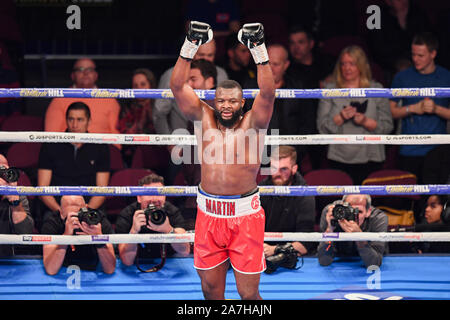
(354, 213)
(150, 214)
(75, 218)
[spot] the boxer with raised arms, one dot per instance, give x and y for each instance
(230, 220)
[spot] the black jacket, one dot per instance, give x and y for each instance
(290, 214)
(372, 254)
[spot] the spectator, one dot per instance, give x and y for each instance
(105, 112)
(74, 164)
(290, 116)
(354, 116)
(390, 45)
(66, 222)
(133, 220)
(167, 116)
(136, 116)
(202, 76)
(238, 65)
(306, 63)
(418, 115)
(287, 214)
(437, 216)
(368, 219)
(15, 216)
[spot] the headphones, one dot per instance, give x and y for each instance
(445, 214)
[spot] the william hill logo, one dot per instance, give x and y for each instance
(223, 208)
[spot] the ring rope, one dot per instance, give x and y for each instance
(182, 139)
(210, 94)
(36, 239)
(129, 191)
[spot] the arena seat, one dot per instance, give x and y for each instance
(400, 208)
(123, 177)
(115, 158)
(152, 157)
(326, 177)
(20, 122)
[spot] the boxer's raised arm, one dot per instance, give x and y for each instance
(252, 35)
(199, 33)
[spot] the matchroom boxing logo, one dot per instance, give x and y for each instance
(234, 146)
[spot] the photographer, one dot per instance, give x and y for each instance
(360, 216)
(286, 214)
(15, 216)
(72, 220)
(133, 220)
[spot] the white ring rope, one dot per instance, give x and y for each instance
(181, 139)
(39, 239)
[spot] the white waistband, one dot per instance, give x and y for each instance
(228, 207)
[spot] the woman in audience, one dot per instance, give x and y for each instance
(136, 114)
(361, 116)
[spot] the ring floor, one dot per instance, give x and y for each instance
(399, 277)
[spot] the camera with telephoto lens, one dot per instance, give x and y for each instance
(9, 174)
(155, 214)
(90, 216)
(343, 210)
(285, 256)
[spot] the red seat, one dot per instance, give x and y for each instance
(326, 177)
(19, 122)
(124, 177)
(24, 155)
(115, 158)
(152, 157)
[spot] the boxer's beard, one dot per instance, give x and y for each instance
(228, 123)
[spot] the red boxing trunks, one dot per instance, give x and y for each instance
(229, 227)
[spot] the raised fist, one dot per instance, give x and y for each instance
(252, 36)
(198, 33)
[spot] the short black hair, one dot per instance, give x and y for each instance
(428, 39)
(207, 69)
(151, 178)
(229, 84)
(301, 28)
(79, 106)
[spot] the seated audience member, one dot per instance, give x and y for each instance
(420, 115)
(133, 220)
(136, 115)
(338, 218)
(167, 116)
(202, 76)
(287, 214)
(238, 64)
(390, 44)
(67, 221)
(290, 116)
(307, 64)
(74, 164)
(105, 111)
(437, 219)
(15, 216)
(354, 116)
